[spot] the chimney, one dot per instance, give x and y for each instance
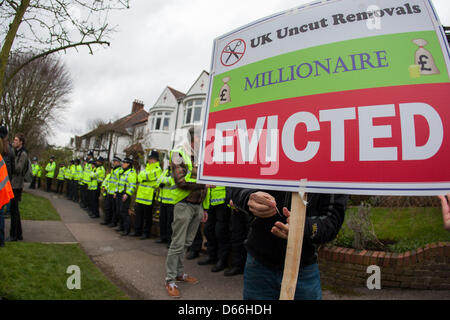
(137, 105)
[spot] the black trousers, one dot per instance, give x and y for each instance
(60, 186)
(117, 218)
(76, 191)
(124, 207)
(33, 183)
(49, 184)
(84, 196)
(144, 219)
(239, 232)
(68, 186)
(15, 231)
(108, 208)
(95, 194)
(217, 232)
(165, 222)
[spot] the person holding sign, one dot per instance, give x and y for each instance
(445, 211)
(267, 240)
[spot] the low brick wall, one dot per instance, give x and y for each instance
(424, 268)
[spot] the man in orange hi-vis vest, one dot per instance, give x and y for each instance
(6, 194)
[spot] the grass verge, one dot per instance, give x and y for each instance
(37, 208)
(404, 228)
(34, 271)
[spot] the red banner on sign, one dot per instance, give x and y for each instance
(352, 136)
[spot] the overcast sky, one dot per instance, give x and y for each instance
(158, 43)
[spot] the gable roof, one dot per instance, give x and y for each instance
(120, 125)
(177, 94)
(198, 78)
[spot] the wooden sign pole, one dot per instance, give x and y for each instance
(294, 247)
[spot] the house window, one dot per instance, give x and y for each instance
(87, 142)
(193, 112)
(160, 121)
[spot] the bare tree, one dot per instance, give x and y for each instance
(48, 26)
(36, 99)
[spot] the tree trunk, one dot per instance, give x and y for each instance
(9, 40)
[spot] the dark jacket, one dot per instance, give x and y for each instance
(21, 161)
(324, 218)
(9, 158)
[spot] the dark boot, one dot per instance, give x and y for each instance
(220, 265)
(207, 260)
(233, 271)
(192, 255)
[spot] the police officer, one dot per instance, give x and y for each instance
(36, 172)
(60, 178)
(88, 186)
(126, 189)
(113, 189)
(50, 172)
(166, 185)
(147, 179)
(76, 181)
(99, 175)
(217, 230)
(84, 183)
(69, 177)
(107, 207)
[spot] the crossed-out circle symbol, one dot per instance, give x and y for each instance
(233, 52)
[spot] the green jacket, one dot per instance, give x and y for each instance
(50, 168)
(166, 185)
(68, 173)
(61, 173)
(148, 179)
(128, 182)
(105, 185)
(113, 181)
(36, 170)
(86, 176)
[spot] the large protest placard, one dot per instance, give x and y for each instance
(351, 97)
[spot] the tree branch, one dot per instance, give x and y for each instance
(43, 54)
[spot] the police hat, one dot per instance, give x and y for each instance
(153, 155)
(72, 161)
(91, 153)
(77, 161)
(117, 159)
(128, 160)
(52, 157)
(100, 159)
(34, 159)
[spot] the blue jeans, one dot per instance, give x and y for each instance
(261, 283)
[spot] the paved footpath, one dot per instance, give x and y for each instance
(138, 266)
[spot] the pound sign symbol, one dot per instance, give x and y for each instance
(423, 63)
(223, 94)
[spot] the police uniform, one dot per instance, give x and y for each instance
(36, 172)
(126, 189)
(166, 185)
(60, 178)
(69, 177)
(147, 179)
(50, 169)
(98, 175)
(113, 191)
